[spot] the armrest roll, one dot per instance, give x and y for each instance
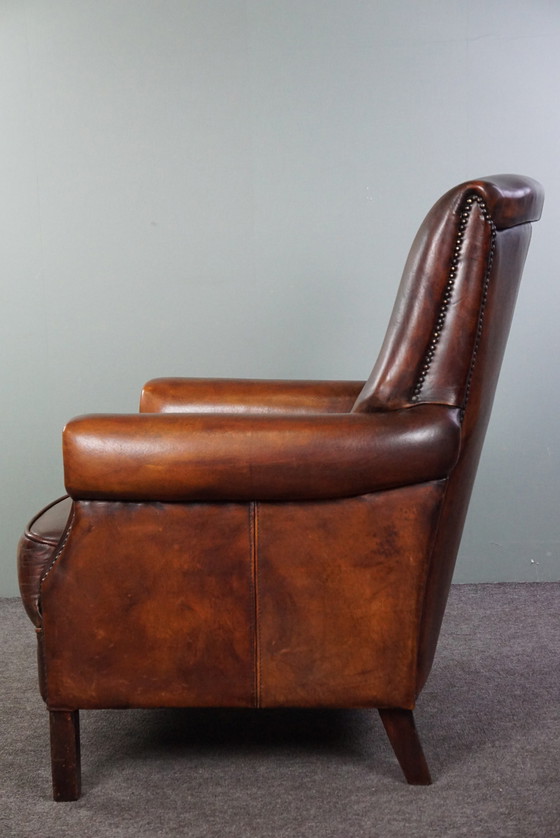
(146, 457)
(248, 396)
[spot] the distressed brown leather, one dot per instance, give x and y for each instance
(269, 544)
(249, 610)
(35, 551)
(509, 258)
(166, 619)
(204, 458)
(248, 396)
(430, 348)
(340, 605)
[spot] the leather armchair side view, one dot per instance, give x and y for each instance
(283, 544)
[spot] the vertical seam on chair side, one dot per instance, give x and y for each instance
(253, 523)
(464, 216)
(427, 576)
(61, 547)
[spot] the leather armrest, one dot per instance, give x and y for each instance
(151, 457)
(255, 397)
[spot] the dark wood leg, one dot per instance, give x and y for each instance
(403, 736)
(65, 754)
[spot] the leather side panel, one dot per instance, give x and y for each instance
(509, 258)
(339, 592)
(151, 605)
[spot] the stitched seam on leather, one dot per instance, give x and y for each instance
(61, 548)
(256, 616)
(464, 216)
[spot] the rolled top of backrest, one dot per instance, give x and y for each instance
(430, 347)
(510, 199)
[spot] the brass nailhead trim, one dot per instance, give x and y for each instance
(464, 216)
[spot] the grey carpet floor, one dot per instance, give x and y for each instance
(489, 720)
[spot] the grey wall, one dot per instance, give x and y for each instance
(230, 187)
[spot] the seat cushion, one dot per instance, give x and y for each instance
(37, 547)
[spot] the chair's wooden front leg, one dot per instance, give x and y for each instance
(403, 736)
(65, 754)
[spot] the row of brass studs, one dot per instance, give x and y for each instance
(483, 302)
(449, 288)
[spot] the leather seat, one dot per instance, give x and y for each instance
(272, 543)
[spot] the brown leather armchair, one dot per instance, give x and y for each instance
(283, 544)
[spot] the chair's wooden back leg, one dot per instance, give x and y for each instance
(403, 736)
(65, 754)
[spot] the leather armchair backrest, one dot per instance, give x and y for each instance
(446, 339)
(432, 343)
